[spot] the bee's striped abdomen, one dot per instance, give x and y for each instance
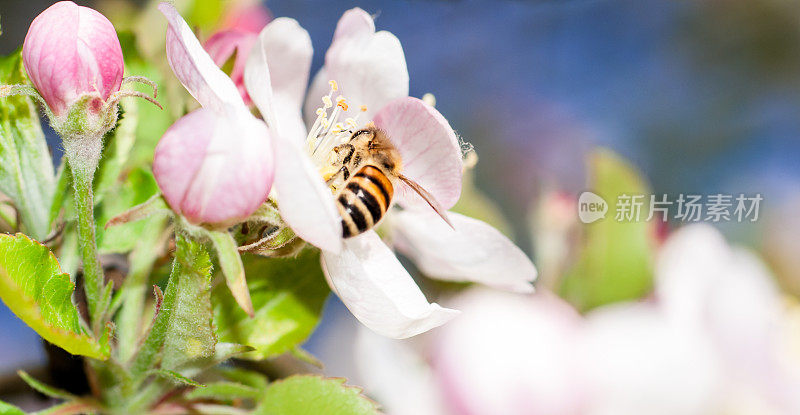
(364, 200)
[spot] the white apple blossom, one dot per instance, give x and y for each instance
(371, 72)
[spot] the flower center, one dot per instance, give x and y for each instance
(329, 130)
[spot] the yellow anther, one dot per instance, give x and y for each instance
(320, 111)
(351, 122)
(363, 108)
(341, 102)
(429, 99)
(326, 100)
(334, 85)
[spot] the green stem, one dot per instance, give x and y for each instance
(83, 154)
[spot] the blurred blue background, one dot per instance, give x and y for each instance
(702, 96)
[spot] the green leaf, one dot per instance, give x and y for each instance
(175, 377)
(224, 391)
(34, 288)
(134, 290)
(251, 378)
(75, 407)
(232, 268)
(182, 331)
(287, 294)
(616, 259)
(116, 149)
(153, 121)
(26, 169)
(206, 14)
(8, 409)
(62, 189)
(190, 335)
(222, 352)
(300, 395)
(138, 187)
(44, 389)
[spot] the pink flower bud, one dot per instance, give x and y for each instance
(70, 51)
(214, 170)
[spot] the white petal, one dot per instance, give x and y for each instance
(277, 73)
(429, 148)
(474, 251)
(305, 203)
(701, 280)
(511, 354)
(318, 88)
(376, 288)
(194, 67)
(354, 22)
(391, 370)
(370, 69)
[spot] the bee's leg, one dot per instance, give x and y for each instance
(345, 152)
(343, 171)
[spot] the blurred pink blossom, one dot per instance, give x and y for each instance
(237, 35)
(247, 17)
(712, 340)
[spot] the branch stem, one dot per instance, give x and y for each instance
(83, 154)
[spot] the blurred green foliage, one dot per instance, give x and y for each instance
(616, 258)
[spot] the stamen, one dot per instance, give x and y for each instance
(328, 131)
(341, 102)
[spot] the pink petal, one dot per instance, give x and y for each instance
(474, 251)
(304, 201)
(376, 288)
(72, 50)
(429, 147)
(369, 67)
(277, 73)
(222, 45)
(212, 169)
(194, 68)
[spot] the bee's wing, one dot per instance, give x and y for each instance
(428, 198)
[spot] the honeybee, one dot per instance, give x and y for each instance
(367, 169)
